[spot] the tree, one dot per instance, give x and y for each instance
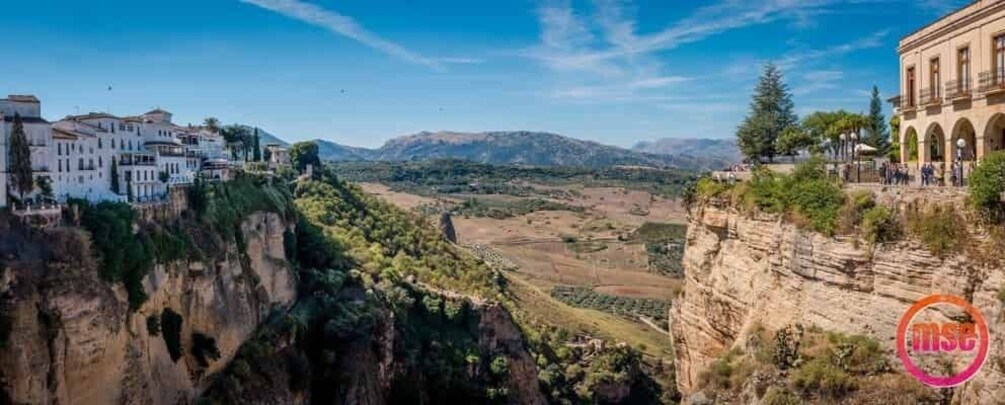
(303, 154)
(212, 124)
(257, 153)
(877, 134)
(894, 153)
(115, 176)
(19, 159)
(771, 112)
(792, 140)
(45, 187)
(267, 154)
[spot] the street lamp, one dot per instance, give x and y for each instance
(843, 145)
(960, 145)
(856, 155)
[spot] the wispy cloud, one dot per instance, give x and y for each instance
(345, 26)
(818, 80)
(461, 60)
(791, 60)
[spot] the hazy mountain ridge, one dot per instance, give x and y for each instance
(516, 147)
(715, 149)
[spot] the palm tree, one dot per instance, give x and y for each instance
(212, 124)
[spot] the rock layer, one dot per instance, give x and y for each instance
(75, 341)
(743, 270)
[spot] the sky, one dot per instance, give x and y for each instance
(359, 72)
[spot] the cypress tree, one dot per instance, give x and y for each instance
(257, 153)
(877, 133)
(115, 176)
(19, 159)
(771, 113)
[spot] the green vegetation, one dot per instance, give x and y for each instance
(876, 132)
(204, 349)
(457, 176)
(501, 209)
(987, 183)
(807, 196)
(154, 325)
(664, 246)
(771, 114)
(125, 256)
(303, 154)
(171, 331)
(631, 308)
(811, 365)
(938, 227)
(19, 160)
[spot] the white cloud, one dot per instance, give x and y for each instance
(818, 80)
(345, 26)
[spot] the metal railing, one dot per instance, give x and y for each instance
(991, 81)
(931, 96)
(958, 89)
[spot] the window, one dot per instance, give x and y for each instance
(113, 143)
(59, 149)
(99, 143)
(80, 164)
(910, 87)
(963, 66)
(934, 79)
(60, 165)
(998, 60)
(101, 162)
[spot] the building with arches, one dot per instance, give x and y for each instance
(952, 86)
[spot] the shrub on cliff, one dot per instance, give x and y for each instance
(125, 256)
(171, 331)
(987, 183)
(939, 229)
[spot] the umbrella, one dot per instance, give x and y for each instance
(863, 148)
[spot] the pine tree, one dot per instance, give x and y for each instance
(877, 134)
(19, 159)
(771, 113)
(115, 177)
(257, 153)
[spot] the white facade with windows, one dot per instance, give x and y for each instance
(85, 156)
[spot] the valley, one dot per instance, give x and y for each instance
(579, 259)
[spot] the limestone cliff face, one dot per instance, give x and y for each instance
(75, 341)
(741, 271)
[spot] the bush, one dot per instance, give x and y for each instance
(820, 376)
(780, 396)
(987, 182)
(124, 256)
(939, 228)
(171, 331)
(879, 225)
(153, 325)
(204, 349)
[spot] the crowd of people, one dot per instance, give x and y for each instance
(894, 174)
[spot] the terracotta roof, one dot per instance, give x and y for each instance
(156, 111)
(58, 133)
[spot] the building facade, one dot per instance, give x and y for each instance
(952, 86)
(101, 157)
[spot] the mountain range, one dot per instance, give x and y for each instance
(537, 149)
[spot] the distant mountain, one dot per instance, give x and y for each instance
(523, 147)
(329, 150)
(723, 151)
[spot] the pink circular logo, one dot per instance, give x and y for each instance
(946, 337)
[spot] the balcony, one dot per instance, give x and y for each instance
(903, 103)
(958, 89)
(931, 96)
(992, 81)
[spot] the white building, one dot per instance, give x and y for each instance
(100, 156)
(37, 131)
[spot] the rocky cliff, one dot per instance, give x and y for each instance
(74, 339)
(749, 270)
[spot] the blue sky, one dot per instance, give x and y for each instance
(359, 72)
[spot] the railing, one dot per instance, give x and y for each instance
(903, 102)
(172, 154)
(931, 96)
(991, 81)
(142, 163)
(87, 167)
(958, 89)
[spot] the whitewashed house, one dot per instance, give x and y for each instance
(83, 161)
(37, 131)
